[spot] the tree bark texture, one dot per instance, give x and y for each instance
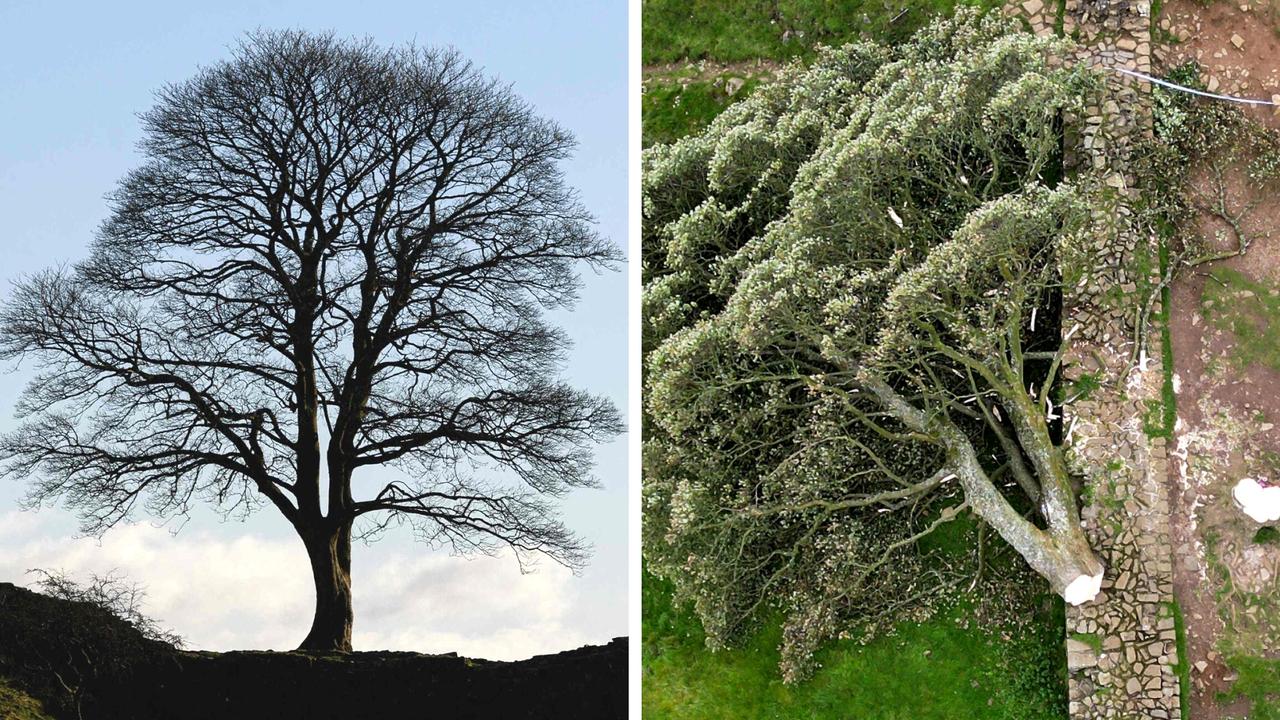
(329, 550)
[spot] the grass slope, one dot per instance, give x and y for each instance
(673, 107)
(675, 30)
(17, 705)
(938, 669)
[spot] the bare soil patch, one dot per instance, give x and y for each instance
(710, 69)
(1237, 45)
(1227, 409)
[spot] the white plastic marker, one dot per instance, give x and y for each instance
(1260, 502)
(1193, 91)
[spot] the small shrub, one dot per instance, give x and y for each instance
(111, 592)
(1268, 535)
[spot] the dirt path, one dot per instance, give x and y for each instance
(703, 70)
(1209, 33)
(1226, 408)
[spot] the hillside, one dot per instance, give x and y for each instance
(68, 654)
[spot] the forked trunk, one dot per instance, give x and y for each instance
(330, 553)
(1060, 553)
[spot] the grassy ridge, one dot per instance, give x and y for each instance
(675, 30)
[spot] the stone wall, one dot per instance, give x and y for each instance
(119, 675)
(1122, 646)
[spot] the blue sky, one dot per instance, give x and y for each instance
(73, 76)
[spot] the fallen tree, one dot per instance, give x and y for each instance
(851, 306)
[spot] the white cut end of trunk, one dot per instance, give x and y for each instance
(1083, 589)
(1258, 502)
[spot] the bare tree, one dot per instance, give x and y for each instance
(335, 259)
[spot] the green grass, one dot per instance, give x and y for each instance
(1183, 668)
(1167, 395)
(937, 669)
(1259, 682)
(1090, 639)
(1267, 535)
(674, 30)
(1250, 311)
(1083, 387)
(678, 103)
(1153, 419)
(671, 110)
(1161, 416)
(17, 705)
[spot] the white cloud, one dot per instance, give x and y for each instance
(436, 603)
(254, 592)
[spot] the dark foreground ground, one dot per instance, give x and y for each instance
(79, 661)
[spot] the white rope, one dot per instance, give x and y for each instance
(1193, 91)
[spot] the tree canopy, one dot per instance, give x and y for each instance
(851, 304)
(333, 263)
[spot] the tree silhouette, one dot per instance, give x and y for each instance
(335, 258)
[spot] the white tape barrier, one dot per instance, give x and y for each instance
(1193, 91)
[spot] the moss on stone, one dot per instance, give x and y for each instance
(1268, 535)
(1090, 639)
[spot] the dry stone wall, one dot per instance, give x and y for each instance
(1122, 646)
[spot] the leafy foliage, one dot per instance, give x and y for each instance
(884, 218)
(1207, 158)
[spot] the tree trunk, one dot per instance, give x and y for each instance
(1061, 554)
(330, 552)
